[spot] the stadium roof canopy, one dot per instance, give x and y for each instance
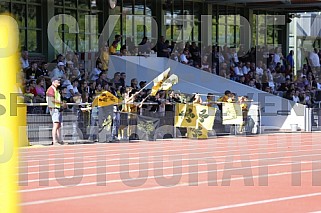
(286, 6)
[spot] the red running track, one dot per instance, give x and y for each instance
(267, 173)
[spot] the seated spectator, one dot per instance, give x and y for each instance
(123, 79)
(59, 71)
(295, 96)
(184, 57)
(98, 89)
(102, 80)
(144, 46)
(259, 69)
(94, 75)
(24, 60)
(116, 80)
(28, 95)
(123, 51)
(246, 68)
(113, 48)
(224, 71)
(205, 65)
(162, 48)
(31, 72)
(40, 96)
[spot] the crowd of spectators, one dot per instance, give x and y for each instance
(261, 68)
(269, 70)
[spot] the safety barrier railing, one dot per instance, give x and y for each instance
(81, 123)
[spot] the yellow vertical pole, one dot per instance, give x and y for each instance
(9, 130)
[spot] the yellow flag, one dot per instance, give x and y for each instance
(205, 116)
(168, 83)
(232, 114)
(105, 99)
(162, 77)
(159, 80)
(185, 115)
(199, 132)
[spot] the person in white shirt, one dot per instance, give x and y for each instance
(59, 71)
(95, 73)
(296, 98)
(234, 55)
(246, 69)
(183, 57)
(259, 69)
(238, 70)
(278, 57)
(314, 58)
(24, 60)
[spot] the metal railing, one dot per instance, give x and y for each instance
(82, 124)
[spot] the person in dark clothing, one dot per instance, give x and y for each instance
(162, 48)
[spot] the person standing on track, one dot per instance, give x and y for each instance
(55, 108)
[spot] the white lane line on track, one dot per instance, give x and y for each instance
(272, 136)
(238, 205)
(163, 168)
(26, 166)
(161, 161)
(218, 141)
(62, 199)
(225, 150)
(155, 177)
(141, 146)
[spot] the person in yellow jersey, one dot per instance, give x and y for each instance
(55, 108)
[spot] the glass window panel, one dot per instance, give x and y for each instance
(270, 34)
(70, 41)
(82, 20)
(221, 34)
(34, 41)
(230, 35)
(195, 31)
(197, 20)
(97, 4)
(73, 13)
(58, 3)
(238, 36)
(19, 13)
(139, 7)
(149, 6)
(34, 16)
(59, 11)
(222, 19)
(261, 37)
(4, 7)
(22, 37)
(70, 3)
(177, 35)
(84, 4)
(214, 27)
(140, 29)
(188, 8)
(127, 7)
(35, 1)
(222, 10)
(254, 31)
(148, 23)
(231, 20)
(83, 42)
